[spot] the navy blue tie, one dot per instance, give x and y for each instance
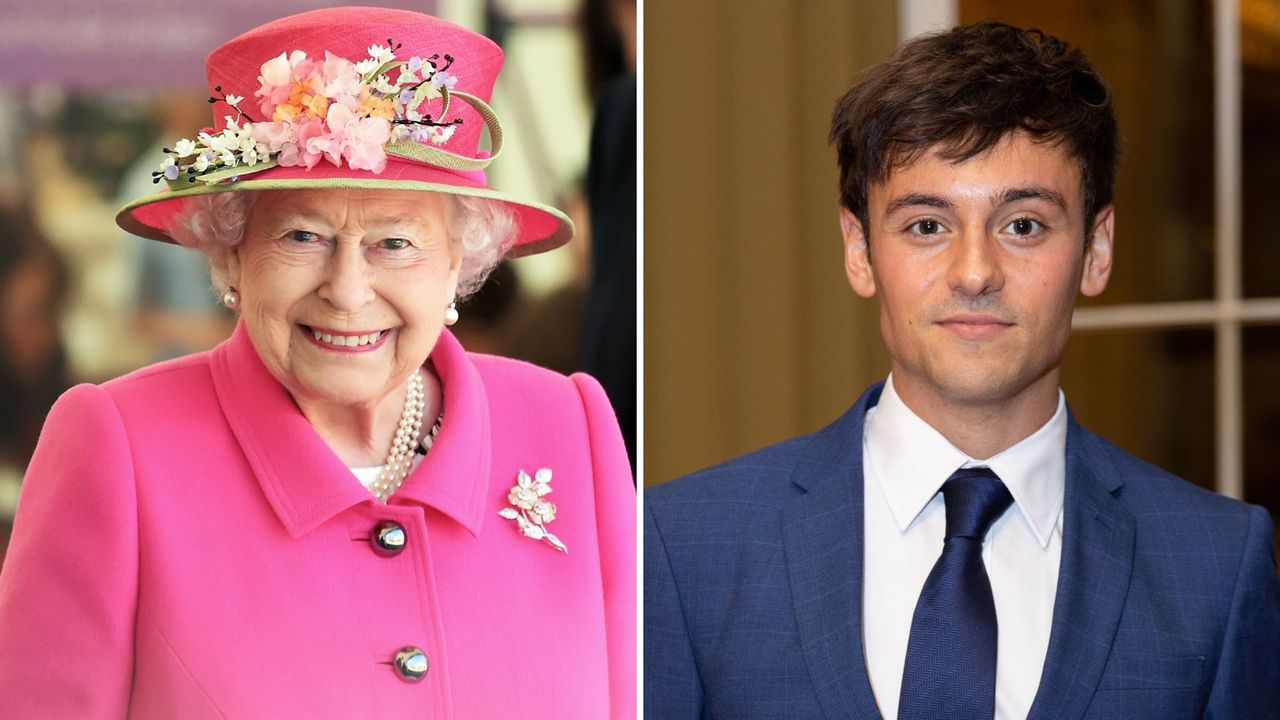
(950, 670)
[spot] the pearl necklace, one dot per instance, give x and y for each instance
(400, 459)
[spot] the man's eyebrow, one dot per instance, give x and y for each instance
(1034, 192)
(918, 200)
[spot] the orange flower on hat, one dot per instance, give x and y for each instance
(305, 98)
(373, 106)
(316, 105)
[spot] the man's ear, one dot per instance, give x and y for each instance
(1098, 253)
(857, 255)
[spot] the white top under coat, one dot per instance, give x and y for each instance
(905, 462)
(367, 475)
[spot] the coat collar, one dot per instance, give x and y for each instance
(822, 536)
(822, 530)
(307, 484)
(1098, 538)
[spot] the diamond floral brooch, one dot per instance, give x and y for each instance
(530, 511)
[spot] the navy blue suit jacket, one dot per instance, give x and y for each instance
(1168, 603)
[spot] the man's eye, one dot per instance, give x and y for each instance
(925, 227)
(1024, 226)
(395, 243)
(302, 236)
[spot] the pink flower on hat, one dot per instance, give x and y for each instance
(304, 150)
(359, 141)
(366, 138)
(274, 135)
(340, 77)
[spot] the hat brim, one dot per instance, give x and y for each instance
(539, 227)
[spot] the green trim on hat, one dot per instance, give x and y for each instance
(126, 220)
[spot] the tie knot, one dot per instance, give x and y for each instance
(975, 498)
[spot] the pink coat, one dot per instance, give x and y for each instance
(186, 546)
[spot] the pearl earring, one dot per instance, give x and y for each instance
(231, 299)
(451, 314)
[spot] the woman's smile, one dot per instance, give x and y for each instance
(345, 340)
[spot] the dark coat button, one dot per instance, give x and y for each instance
(411, 664)
(388, 538)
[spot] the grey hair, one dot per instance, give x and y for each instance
(214, 224)
(486, 229)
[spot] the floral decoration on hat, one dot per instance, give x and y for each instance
(331, 109)
(529, 508)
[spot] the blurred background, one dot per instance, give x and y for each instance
(89, 94)
(752, 334)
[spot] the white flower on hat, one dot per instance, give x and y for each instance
(442, 135)
(234, 100)
(384, 86)
(184, 148)
(381, 54)
(276, 71)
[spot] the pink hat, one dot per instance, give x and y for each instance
(349, 97)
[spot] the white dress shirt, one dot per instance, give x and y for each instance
(905, 462)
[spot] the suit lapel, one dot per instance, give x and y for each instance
(822, 538)
(1097, 560)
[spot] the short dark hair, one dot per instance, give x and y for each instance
(961, 91)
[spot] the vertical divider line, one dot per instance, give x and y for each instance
(1228, 370)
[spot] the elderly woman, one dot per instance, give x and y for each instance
(338, 512)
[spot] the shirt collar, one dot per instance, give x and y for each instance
(913, 460)
(307, 484)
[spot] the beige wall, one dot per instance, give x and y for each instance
(752, 334)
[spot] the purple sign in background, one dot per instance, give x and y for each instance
(133, 43)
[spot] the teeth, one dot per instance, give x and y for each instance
(345, 340)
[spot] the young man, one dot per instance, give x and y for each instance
(956, 546)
